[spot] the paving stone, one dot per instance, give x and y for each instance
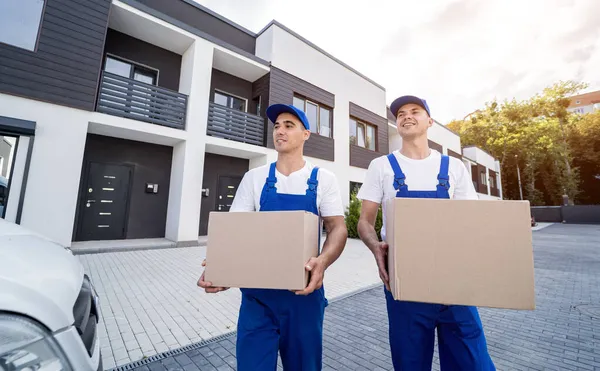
(556, 336)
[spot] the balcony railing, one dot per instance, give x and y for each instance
(123, 97)
(228, 123)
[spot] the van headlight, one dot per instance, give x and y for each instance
(26, 346)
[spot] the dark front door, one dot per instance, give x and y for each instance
(226, 192)
(104, 202)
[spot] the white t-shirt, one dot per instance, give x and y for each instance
(329, 200)
(421, 175)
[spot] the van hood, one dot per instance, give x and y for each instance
(38, 277)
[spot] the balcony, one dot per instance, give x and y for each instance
(128, 98)
(232, 124)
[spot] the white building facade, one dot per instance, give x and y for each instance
(144, 121)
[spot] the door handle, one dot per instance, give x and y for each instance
(91, 201)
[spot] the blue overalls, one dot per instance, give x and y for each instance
(461, 341)
(272, 320)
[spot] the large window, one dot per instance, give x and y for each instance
(20, 22)
(230, 101)
(318, 116)
(131, 70)
(362, 134)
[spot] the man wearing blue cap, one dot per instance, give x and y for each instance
(281, 320)
(416, 171)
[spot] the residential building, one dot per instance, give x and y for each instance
(135, 119)
(585, 103)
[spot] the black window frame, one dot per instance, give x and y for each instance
(135, 65)
(366, 124)
(39, 32)
(319, 106)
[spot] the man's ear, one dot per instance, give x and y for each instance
(430, 122)
(306, 134)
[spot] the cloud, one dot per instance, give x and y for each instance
(457, 54)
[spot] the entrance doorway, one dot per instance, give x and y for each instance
(228, 185)
(105, 202)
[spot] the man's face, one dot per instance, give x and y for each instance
(412, 121)
(288, 133)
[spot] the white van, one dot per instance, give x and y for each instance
(48, 307)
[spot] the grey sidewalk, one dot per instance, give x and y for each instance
(150, 302)
(563, 333)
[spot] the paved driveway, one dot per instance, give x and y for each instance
(563, 333)
(150, 302)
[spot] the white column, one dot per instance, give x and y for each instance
(54, 173)
(185, 193)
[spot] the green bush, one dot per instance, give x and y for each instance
(352, 215)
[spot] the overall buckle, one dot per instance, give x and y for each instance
(399, 183)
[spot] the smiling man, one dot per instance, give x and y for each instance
(272, 320)
(416, 171)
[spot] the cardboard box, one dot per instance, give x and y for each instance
(464, 252)
(261, 249)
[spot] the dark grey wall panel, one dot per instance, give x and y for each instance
(214, 167)
(233, 85)
(167, 63)
(260, 88)
(282, 88)
(454, 154)
(65, 67)
(152, 164)
(199, 17)
(362, 157)
(436, 146)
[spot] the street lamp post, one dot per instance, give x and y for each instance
(519, 177)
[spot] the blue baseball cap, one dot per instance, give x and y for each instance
(274, 110)
(406, 99)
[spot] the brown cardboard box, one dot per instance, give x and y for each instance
(465, 252)
(261, 249)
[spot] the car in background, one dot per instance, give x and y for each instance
(49, 308)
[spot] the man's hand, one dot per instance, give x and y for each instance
(316, 267)
(380, 252)
(207, 286)
(367, 233)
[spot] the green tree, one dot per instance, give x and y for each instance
(352, 215)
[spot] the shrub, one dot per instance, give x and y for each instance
(352, 215)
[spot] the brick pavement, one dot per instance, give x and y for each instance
(150, 302)
(563, 333)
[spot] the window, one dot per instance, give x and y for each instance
(318, 116)
(230, 101)
(362, 134)
(20, 22)
(130, 70)
(354, 188)
(492, 182)
(483, 178)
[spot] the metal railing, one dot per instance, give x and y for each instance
(228, 123)
(123, 97)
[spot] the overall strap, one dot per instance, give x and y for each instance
(269, 184)
(312, 181)
(443, 179)
(399, 176)
(443, 175)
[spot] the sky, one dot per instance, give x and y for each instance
(457, 54)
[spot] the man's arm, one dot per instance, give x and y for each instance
(371, 194)
(333, 220)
